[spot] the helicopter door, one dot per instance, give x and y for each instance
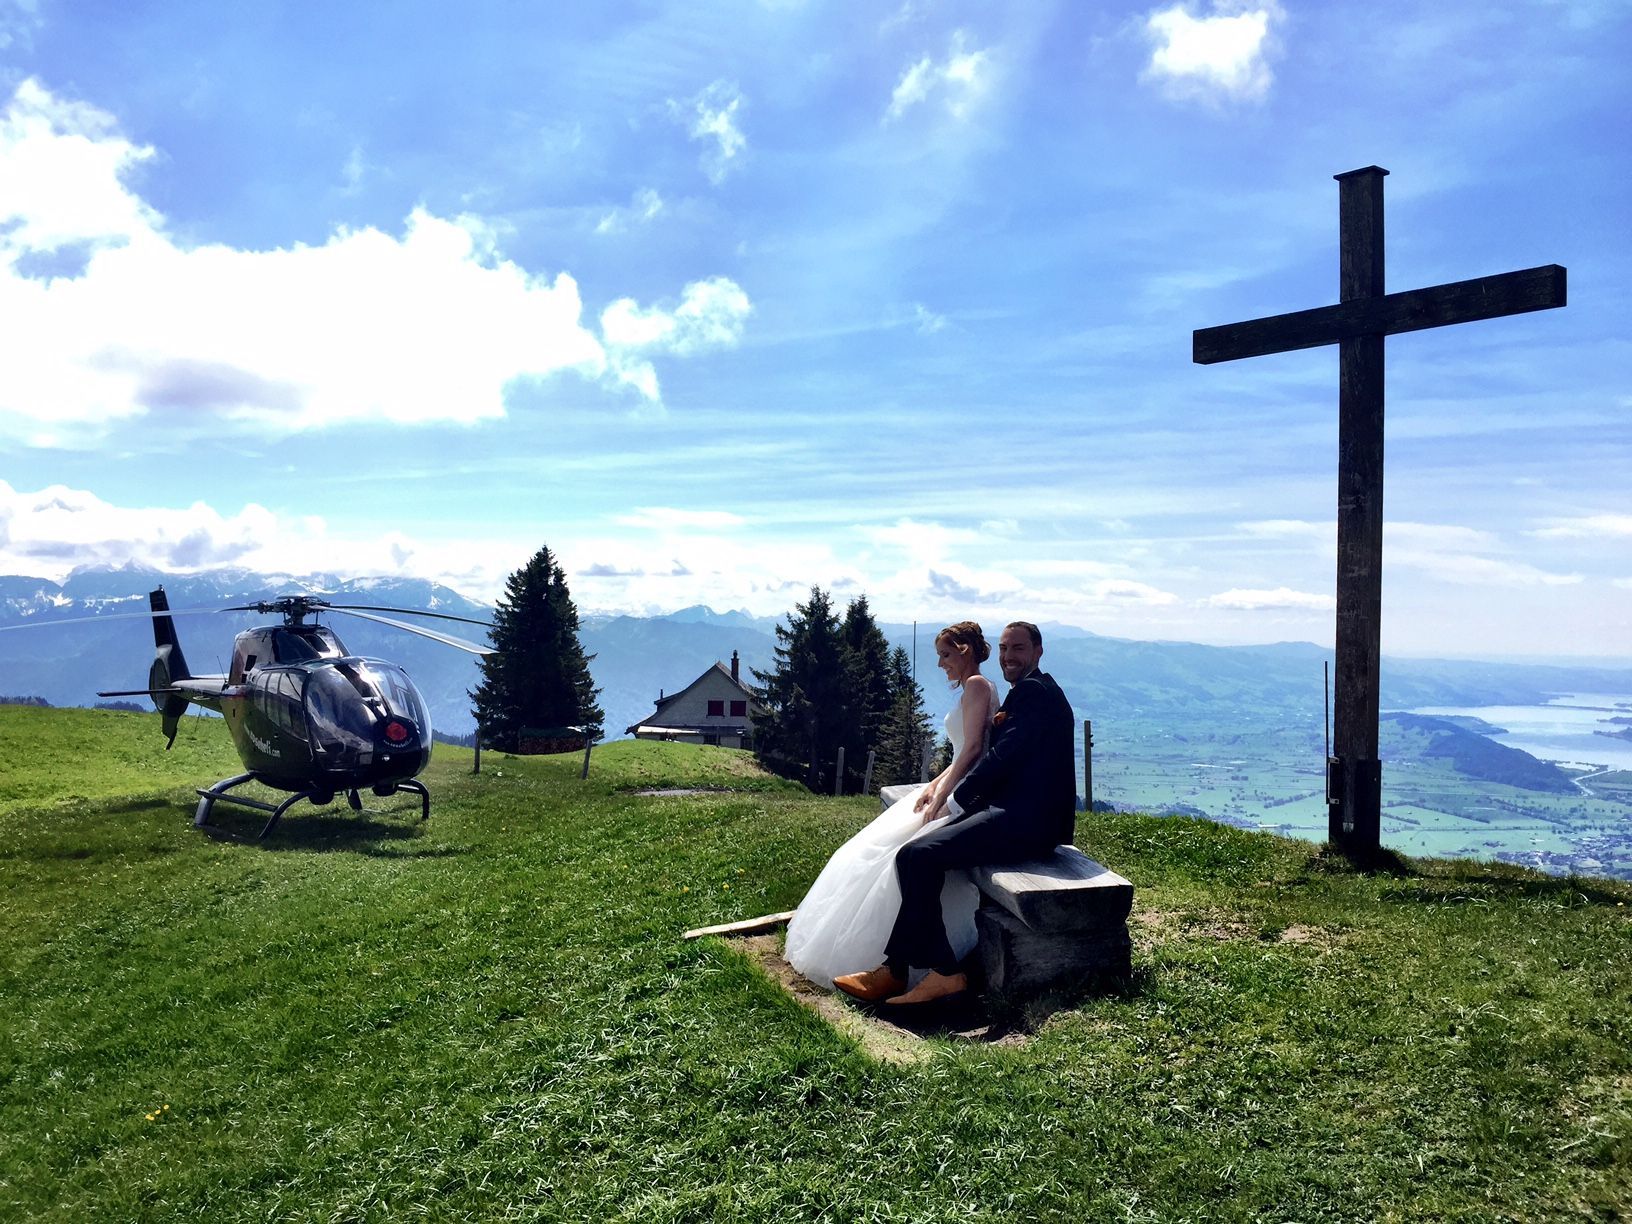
(275, 723)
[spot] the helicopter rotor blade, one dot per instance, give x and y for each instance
(107, 616)
(447, 639)
(408, 612)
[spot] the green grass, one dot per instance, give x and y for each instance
(492, 1016)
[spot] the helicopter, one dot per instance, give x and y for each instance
(305, 714)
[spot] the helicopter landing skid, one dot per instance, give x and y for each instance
(207, 800)
(418, 788)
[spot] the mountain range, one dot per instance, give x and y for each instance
(1110, 680)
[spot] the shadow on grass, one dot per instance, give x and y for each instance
(1451, 882)
(327, 831)
(976, 1016)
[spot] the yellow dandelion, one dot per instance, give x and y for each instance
(742, 871)
(725, 886)
(150, 1117)
(166, 1109)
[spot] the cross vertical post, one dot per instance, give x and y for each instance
(1358, 324)
(1356, 817)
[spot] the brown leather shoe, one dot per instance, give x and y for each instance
(934, 987)
(871, 986)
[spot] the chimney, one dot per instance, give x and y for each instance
(734, 675)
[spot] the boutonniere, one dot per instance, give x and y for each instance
(1001, 717)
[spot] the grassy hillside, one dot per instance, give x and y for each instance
(492, 1016)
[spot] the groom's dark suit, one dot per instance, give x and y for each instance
(1019, 801)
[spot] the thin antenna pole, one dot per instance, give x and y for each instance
(915, 652)
(1326, 682)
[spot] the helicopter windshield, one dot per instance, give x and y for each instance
(350, 703)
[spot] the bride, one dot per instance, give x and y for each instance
(845, 919)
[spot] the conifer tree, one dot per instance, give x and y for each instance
(803, 694)
(905, 729)
(869, 691)
(539, 676)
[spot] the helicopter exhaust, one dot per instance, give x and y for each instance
(169, 665)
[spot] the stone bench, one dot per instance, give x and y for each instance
(1047, 922)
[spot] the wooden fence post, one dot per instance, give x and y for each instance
(923, 769)
(584, 772)
(478, 768)
(838, 774)
(867, 777)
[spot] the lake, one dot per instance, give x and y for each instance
(1562, 731)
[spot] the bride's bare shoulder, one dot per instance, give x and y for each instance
(979, 686)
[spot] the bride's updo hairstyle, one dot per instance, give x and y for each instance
(967, 639)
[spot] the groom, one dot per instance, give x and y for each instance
(1018, 802)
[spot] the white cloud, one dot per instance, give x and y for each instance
(1461, 555)
(1124, 591)
(1466, 570)
(711, 314)
(354, 172)
(1220, 56)
(712, 116)
(925, 543)
(944, 587)
(928, 321)
(108, 317)
(959, 81)
(1438, 537)
(62, 171)
(18, 21)
(49, 532)
(1286, 529)
(1279, 599)
(668, 518)
(1592, 526)
(643, 207)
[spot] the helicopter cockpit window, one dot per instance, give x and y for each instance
(351, 702)
(292, 648)
(342, 716)
(298, 644)
(401, 698)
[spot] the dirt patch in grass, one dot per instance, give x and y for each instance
(680, 792)
(1150, 926)
(880, 1037)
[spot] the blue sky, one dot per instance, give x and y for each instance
(724, 300)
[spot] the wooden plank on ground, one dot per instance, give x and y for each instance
(748, 926)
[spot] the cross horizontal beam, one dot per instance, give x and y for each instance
(1486, 297)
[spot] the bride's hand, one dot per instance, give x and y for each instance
(926, 798)
(936, 810)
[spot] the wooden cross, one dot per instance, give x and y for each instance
(1357, 325)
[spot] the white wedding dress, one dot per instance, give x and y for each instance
(845, 919)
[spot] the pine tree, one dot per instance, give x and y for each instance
(539, 676)
(905, 729)
(804, 694)
(868, 691)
